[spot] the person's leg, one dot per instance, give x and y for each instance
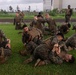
(40, 62)
(29, 60)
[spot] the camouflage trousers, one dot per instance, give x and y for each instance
(3, 44)
(50, 31)
(67, 18)
(18, 26)
(4, 54)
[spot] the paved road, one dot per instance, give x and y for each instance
(29, 20)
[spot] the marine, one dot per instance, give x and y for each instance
(68, 14)
(42, 51)
(5, 47)
(31, 37)
(52, 27)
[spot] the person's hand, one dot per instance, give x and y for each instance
(58, 51)
(8, 40)
(24, 44)
(8, 45)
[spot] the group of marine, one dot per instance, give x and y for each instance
(54, 49)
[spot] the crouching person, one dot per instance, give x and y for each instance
(45, 56)
(31, 38)
(5, 48)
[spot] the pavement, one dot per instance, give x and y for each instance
(29, 20)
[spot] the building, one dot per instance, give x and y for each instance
(60, 4)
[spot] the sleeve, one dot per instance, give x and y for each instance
(25, 38)
(71, 11)
(55, 59)
(54, 40)
(3, 36)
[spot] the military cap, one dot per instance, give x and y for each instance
(24, 26)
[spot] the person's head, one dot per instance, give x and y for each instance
(19, 11)
(69, 58)
(60, 36)
(17, 14)
(35, 17)
(40, 13)
(69, 6)
(25, 28)
(47, 15)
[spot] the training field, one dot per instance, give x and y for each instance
(15, 66)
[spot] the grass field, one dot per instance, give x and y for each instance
(31, 15)
(14, 65)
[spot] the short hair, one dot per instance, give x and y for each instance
(60, 34)
(24, 26)
(40, 13)
(68, 5)
(72, 59)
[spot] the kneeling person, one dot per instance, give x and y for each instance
(5, 48)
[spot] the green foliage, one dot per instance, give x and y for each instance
(15, 66)
(53, 12)
(29, 15)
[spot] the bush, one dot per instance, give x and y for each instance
(54, 12)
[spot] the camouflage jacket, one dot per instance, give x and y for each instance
(2, 37)
(55, 58)
(51, 23)
(69, 12)
(71, 41)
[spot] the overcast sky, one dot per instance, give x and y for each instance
(23, 4)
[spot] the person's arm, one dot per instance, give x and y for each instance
(7, 41)
(55, 58)
(71, 12)
(3, 36)
(25, 38)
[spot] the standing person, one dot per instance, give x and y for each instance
(40, 15)
(22, 16)
(17, 21)
(68, 14)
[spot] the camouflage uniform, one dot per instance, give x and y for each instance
(71, 41)
(52, 28)
(22, 16)
(17, 22)
(44, 52)
(68, 15)
(4, 51)
(64, 28)
(38, 24)
(31, 39)
(33, 23)
(74, 28)
(31, 35)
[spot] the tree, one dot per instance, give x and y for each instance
(18, 8)
(29, 8)
(11, 8)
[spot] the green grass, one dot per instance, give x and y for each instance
(14, 65)
(31, 15)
